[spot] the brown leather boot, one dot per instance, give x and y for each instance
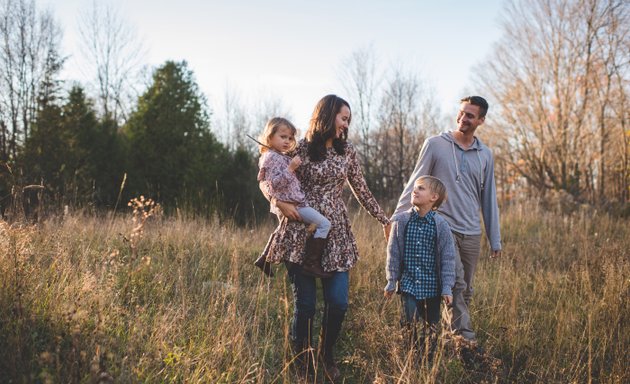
(312, 265)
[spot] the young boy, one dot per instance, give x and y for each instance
(421, 260)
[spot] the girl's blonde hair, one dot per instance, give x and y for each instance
(271, 128)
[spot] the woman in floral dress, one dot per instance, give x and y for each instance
(328, 162)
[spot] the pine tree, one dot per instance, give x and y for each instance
(173, 155)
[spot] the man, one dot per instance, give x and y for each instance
(466, 166)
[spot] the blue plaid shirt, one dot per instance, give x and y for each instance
(419, 272)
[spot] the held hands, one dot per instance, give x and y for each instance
(294, 164)
(387, 228)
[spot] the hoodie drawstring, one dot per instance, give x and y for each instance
(458, 176)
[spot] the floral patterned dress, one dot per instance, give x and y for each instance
(322, 183)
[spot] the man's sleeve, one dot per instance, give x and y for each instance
(490, 207)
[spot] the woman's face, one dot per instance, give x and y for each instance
(342, 121)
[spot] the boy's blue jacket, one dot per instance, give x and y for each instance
(444, 247)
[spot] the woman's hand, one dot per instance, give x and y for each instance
(386, 229)
(288, 210)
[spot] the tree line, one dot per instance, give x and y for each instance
(557, 81)
(61, 148)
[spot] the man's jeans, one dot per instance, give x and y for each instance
(468, 248)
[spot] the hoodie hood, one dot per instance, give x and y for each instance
(448, 136)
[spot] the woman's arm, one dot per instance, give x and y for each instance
(360, 189)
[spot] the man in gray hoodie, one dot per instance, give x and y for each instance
(466, 166)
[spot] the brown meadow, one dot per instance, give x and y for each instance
(86, 299)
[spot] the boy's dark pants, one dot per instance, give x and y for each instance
(425, 313)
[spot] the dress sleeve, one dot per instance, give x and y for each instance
(360, 189)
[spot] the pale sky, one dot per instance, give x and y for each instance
(292, 50)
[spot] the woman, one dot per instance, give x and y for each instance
(328, 162)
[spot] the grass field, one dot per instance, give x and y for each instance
(85, 299)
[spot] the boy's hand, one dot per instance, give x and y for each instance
(388, 294)
(295, 163)
(448, 299)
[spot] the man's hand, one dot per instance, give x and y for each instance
(388, 294)
(288, 210)
(448, 299)
(495, 254)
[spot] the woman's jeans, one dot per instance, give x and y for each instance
(304, 300)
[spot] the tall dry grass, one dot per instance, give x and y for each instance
(81, 300)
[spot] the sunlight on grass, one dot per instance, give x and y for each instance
(183, 303)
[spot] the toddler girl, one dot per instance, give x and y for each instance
(277, 180)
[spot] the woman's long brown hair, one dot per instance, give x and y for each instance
(322, 128)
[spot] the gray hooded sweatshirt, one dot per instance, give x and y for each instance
(469, 179)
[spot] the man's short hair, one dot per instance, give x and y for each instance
(478, 101)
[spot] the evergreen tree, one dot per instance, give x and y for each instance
(173, 155)
(241, 197)
(47, 155)
(98, 152)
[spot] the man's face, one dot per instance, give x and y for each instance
(468, 118)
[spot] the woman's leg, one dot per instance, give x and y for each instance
(335, 307)
(304, 300)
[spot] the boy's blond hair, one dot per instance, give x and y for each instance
(434, 185)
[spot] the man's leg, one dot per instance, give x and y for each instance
(469, 249)
(460, 323)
